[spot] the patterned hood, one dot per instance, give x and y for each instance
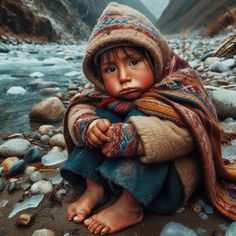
(121, 25)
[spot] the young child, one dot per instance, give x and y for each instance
(144, 130)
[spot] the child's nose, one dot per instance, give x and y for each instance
(124, 75)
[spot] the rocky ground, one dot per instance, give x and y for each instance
(33, 195)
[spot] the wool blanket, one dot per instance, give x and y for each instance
(181, 98)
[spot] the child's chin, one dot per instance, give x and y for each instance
(132, 96)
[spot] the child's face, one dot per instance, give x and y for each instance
(126, 73)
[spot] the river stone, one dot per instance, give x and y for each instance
(44, 129)
(15, 147)
(36, 74)
(2, 184)
(44, 139)
(35, 82)
(41, 187)
(9, 162)
(12, 187)
(34, 154)
(48, 91)
(225, 102)
(48, 110)
(47, 84)
(16, 90)
(211, 60)
(43, 232)
(176, 229)
(231, 231)
(54, 159)
(17, 168)
(222, 66)
(36, 176)
(29, 170)
(24, 219)
(55, 149)
(57, 140)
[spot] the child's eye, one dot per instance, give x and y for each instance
(110, 69)
(133, 62)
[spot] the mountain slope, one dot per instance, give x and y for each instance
(191, 14)
(70, 20)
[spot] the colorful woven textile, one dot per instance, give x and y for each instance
(125, 140)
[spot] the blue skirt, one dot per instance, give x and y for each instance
(157, 185)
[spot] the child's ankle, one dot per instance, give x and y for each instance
(93, 186)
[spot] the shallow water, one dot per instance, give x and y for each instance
(15, 68)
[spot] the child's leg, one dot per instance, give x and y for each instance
(81, 208)
(125, 212)
(81, 167)
(82, 164)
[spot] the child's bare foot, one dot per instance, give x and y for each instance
(81, 208)
(119, 216)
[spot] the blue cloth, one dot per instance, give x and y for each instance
(157, 186)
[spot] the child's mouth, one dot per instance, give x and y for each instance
(128, 90)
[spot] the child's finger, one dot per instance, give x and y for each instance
(100, 135)
(103, 125)
(106, 150)
(107, 122)
(93, 140)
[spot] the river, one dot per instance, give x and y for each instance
(17, 63)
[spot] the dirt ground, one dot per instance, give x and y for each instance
(51, 214)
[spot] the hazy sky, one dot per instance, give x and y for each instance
(156, 6)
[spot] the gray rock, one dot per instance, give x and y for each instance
(57, 140)
(2, 184)
(44, 129)
(16, 90)
(48, 91)
(41, 187)
(44, 139)
(12, 187)
(176, 229)
(231, 231)
(222, 66)
(37, 74)
(34, 154)
(15, 147)
(43, 232)
(16, 169)
(55, 159)
(211, 60)
(49, 110)
(225, 102)
(47, 84)
(36, 176)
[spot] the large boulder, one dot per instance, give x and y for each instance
(48, 110)
(225, 102)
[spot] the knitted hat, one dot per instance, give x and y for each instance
(121, 25)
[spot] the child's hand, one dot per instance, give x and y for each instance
(107, 147)
(123, 141)
(96, 132)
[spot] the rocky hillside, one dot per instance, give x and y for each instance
(192, 14)
(54, 20)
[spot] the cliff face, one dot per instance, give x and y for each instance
(70, 20)
(16, 18)
(191, 14)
